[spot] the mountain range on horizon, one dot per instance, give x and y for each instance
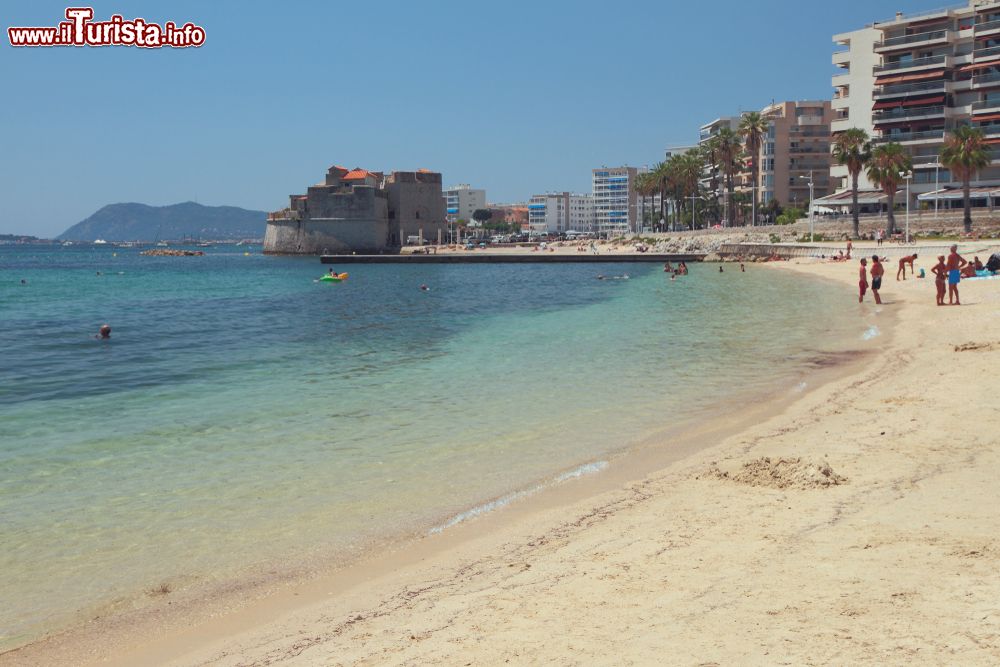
(141, 222)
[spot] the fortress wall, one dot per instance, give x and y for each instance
(417, 203)
(326, 236)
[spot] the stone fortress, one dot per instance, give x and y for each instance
(359, 211)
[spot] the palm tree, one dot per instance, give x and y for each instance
(660, 179)
(753, 128)
(728, 152)
(853, 149)
(964, 153)
(888, 164)
(645, 186)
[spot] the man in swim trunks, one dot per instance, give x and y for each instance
(877, 271)
(862, 280)
(954, 265)
(903, 261)
(940, 278)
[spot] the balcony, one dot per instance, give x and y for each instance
(886, 115)
(920, 39)
(915, 63)
(988, 79)
(905, 88)
(990, 52)
(906, 137)
(989, 26)
(986, 105)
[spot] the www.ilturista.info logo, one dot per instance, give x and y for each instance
(79, 30)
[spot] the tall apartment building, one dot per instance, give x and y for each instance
(712, 180)
(558, 212)
(462, 200)
(795, 151)
(912, 78)
(614, 200)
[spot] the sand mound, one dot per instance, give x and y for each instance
(783, 474)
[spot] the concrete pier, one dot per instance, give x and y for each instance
(475, 257)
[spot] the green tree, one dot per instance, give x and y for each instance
(482, 215)
(753, 128)
(853, 149)
(645, 186)
(729, 163)
(888, 164)
(683, 176)
(660, 179)
(964, 153)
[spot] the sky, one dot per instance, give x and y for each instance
(515, 97)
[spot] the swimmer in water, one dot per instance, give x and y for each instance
(104, 333)
(425, 288)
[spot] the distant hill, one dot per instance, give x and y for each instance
(139, 222)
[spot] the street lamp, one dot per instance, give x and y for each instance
(908, 175)
(693, 198)
(811, 204)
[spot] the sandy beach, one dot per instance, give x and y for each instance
(856, 524)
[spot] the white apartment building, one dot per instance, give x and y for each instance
(614, 200)
(911, 79)
(560, 212)
(462, 200)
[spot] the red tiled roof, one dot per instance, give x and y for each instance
(358, 174)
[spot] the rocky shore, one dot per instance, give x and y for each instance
(167, 252)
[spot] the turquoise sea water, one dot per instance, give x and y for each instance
(243, 415)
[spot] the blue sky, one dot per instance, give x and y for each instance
(517, 97)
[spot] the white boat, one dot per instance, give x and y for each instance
(100, 242)
(161, 244)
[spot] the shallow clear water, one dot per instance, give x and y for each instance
(243, 414)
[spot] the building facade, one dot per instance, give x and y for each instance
(356, 210)
(614, 200)
(561, 212)
(927, 74)
(461, 201)
(795, 152)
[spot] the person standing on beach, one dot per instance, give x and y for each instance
(850, 246)
(877, 271)
(954, 265)
(862, 280)
(903, 261)
(940, 276)
(878, 237)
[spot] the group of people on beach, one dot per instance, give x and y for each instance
(949, 270)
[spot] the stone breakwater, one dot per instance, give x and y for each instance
(160, 252)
